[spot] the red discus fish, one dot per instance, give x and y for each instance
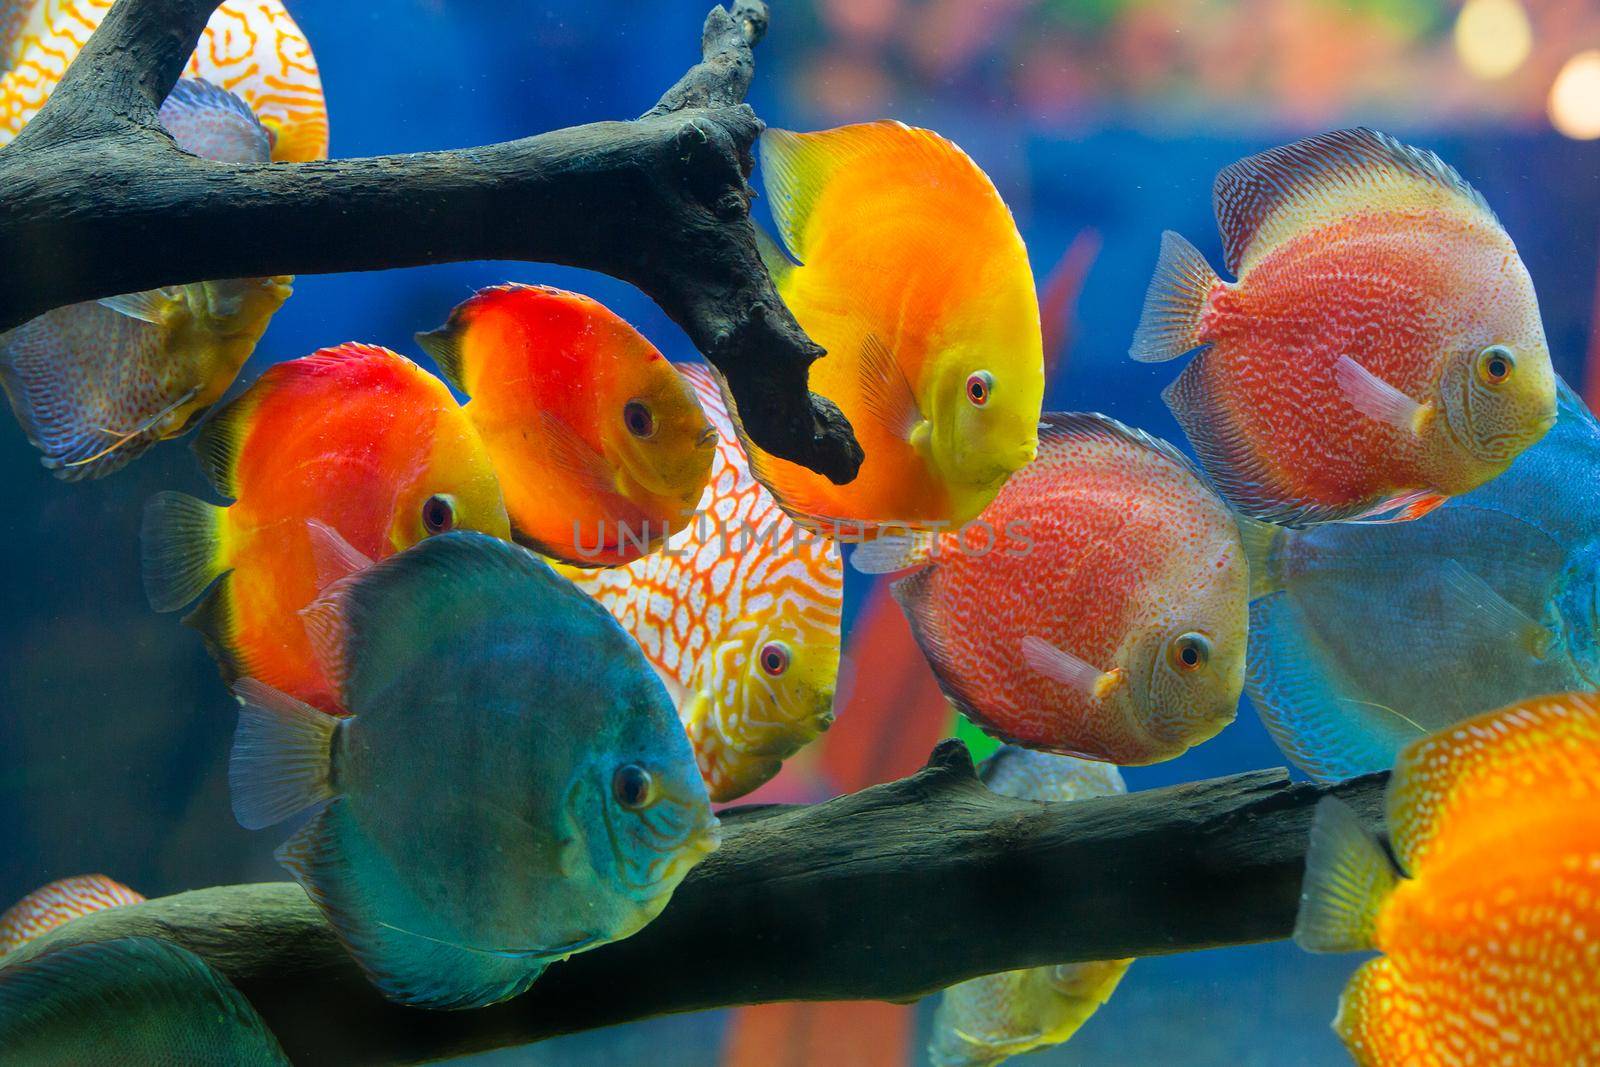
(601, 447)
(59, 903)
(1486, 914)
(353, 451)
(1097, 608)
(1381, 350)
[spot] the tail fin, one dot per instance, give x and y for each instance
(1170, 324)
(775, 259)
(1348, 877)
(281, 761)
(182, 549)
(1260, 538)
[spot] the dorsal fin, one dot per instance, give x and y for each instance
(1062, 427)
(1263, 200)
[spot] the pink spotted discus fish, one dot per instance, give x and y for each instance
(95, 384)
(1381, 350)
(739, 614)
(1097, 608)
(58, 904)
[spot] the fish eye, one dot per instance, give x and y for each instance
(774, 658)
(438, 513)
(1189, 652)
(638, 418)
(633, 787)
(979, 385)
(1495, 364)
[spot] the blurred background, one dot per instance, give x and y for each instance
(1102, 122)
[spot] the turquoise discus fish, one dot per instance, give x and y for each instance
(133, 1001)
(990, 1019)
(95, 384)
(512, 785)
(1365, 638)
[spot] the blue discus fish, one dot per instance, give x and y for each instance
(95, 384)
(134, 1000)
(990, 1019)
(1364, 638)
(512, 785)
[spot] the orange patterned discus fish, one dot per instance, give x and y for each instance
(346, 456)
(1381, 350)
(912, 274)
(602, 450)
(251, 48)
(1486, 915)
(740, 615)
(58, 904)
(1097, 608)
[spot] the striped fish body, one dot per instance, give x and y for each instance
(59, 903)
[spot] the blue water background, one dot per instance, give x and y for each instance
(114, 727)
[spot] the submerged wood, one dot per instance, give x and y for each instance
(886, 894)
(96, 200)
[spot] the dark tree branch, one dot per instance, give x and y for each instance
(886, 894)
(96, 200)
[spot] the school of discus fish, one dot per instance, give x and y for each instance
(1388, 535)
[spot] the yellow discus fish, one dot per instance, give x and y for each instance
(914, 278)
(739, 613)
(252, 48)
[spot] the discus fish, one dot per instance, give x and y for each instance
(988, 1020)
(1364, 638)
(250, 47)
(511, 786)
(133, 1000)
(916, 281)
(601, 448)
(1381, 350)
(1486, 913)
(1098, 607)
(95, 384)
(740, 616)
(345, 456)
(58, 904)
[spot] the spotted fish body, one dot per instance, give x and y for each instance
(1364, 638)
(251, 48)
(740, 581)
(356, 438)
(1381, 349)
(59, 903)
(95, 384)
(129, 1001)
(988, 1020)
(1485, 915)
(1060, 619)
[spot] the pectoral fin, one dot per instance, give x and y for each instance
(1377, 399)
(885, 390)
(1062, 666)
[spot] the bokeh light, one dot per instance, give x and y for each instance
(1575, 97)
(1493, 37)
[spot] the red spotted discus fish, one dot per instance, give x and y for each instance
(1381, 350)
(251, 48)
(740, 616)
(58, 904)
(1097, 608)
(600, 447)
(913, 276)
(95, 384)
(1487, 913)
(346, 456)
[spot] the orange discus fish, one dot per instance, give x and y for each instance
(740, 616)
(357, 439)
(1096, 609)
(601, 448)
(251, 48)
(1381, 350)
(58, 904)
(1486, 915)
(914, 278)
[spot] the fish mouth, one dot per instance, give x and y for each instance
(708, 439)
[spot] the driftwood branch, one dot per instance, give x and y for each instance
(96, 199)
(886, 894)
